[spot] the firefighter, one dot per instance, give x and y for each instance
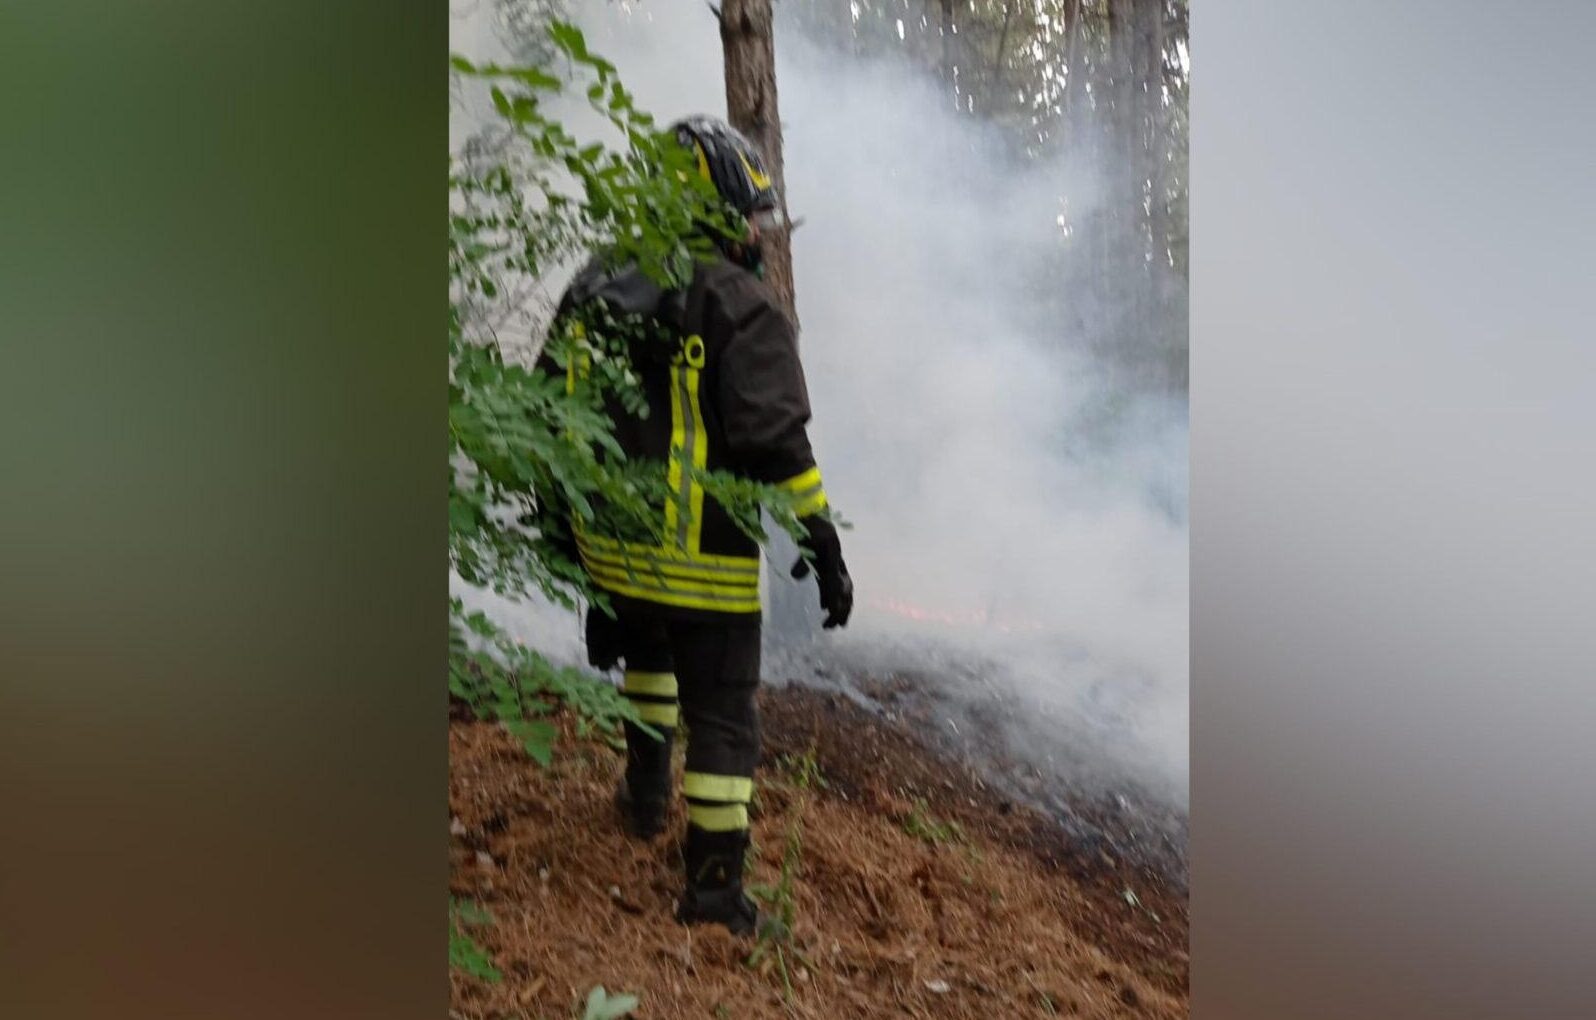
(725, 391)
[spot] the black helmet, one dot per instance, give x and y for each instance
(730, 162)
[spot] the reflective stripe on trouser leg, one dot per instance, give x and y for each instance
(718, 668)
(722, 789)
(649, 685)
(653, 695)
(717, 803)
(717, 817)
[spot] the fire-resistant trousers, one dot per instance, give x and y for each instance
(703, 674)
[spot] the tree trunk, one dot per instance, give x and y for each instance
(947, 62)
(1158, 146)
(748, 39)
(1075, 74)
(747, 36)
(999, 60)
(1126, 167)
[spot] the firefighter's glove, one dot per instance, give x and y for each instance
(822, 546)
(603, 639)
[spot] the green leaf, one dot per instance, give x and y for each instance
(537, 79)
(522, 449)
(568, 38)
(471, 912)
(464, 953)
(537, 737)
(603, 1006)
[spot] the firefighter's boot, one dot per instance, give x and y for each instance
(714, 893)
(644, 791)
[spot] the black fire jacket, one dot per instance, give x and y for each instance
(725, 390)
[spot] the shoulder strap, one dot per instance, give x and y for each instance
(682, 311)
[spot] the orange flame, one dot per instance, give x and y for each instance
(976, 618)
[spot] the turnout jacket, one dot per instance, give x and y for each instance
(725, 391)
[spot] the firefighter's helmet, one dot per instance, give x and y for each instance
(731, 163)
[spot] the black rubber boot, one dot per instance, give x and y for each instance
(641, 818)
(714, 893)
(645, 790)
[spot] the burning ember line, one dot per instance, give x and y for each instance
(978, 618)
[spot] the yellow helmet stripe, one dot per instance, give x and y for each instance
(759, 179)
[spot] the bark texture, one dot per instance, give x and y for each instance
(748, 38)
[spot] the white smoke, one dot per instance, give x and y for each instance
(1011, 506)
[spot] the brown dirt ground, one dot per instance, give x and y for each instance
(1003, 920)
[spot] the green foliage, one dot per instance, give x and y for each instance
(601, 1005)
(775, 948)
(541, 196)
(530, 447)
(526, 448)
(926, 827)
(803, 770)
(465, 955)
(504, 680)
(523, 448)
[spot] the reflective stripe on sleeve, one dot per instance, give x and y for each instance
(807, 491)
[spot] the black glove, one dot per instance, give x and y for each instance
(603, 639)
(836, 587)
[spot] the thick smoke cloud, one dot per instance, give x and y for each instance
(1019, 518)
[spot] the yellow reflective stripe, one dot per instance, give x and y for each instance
(700, 454)
(759, 179)
(610, 546)
(812, 504)
(689, 586)
(667, 597)
(661, 684)
(670, 576)
(705, 786)
(673, 472)
(809, 495)
(580, 333)
(655, 713)
(689, 444)
(652, 568)
(658, 570)
(799, 483)
(726, 568)
(718, 817)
